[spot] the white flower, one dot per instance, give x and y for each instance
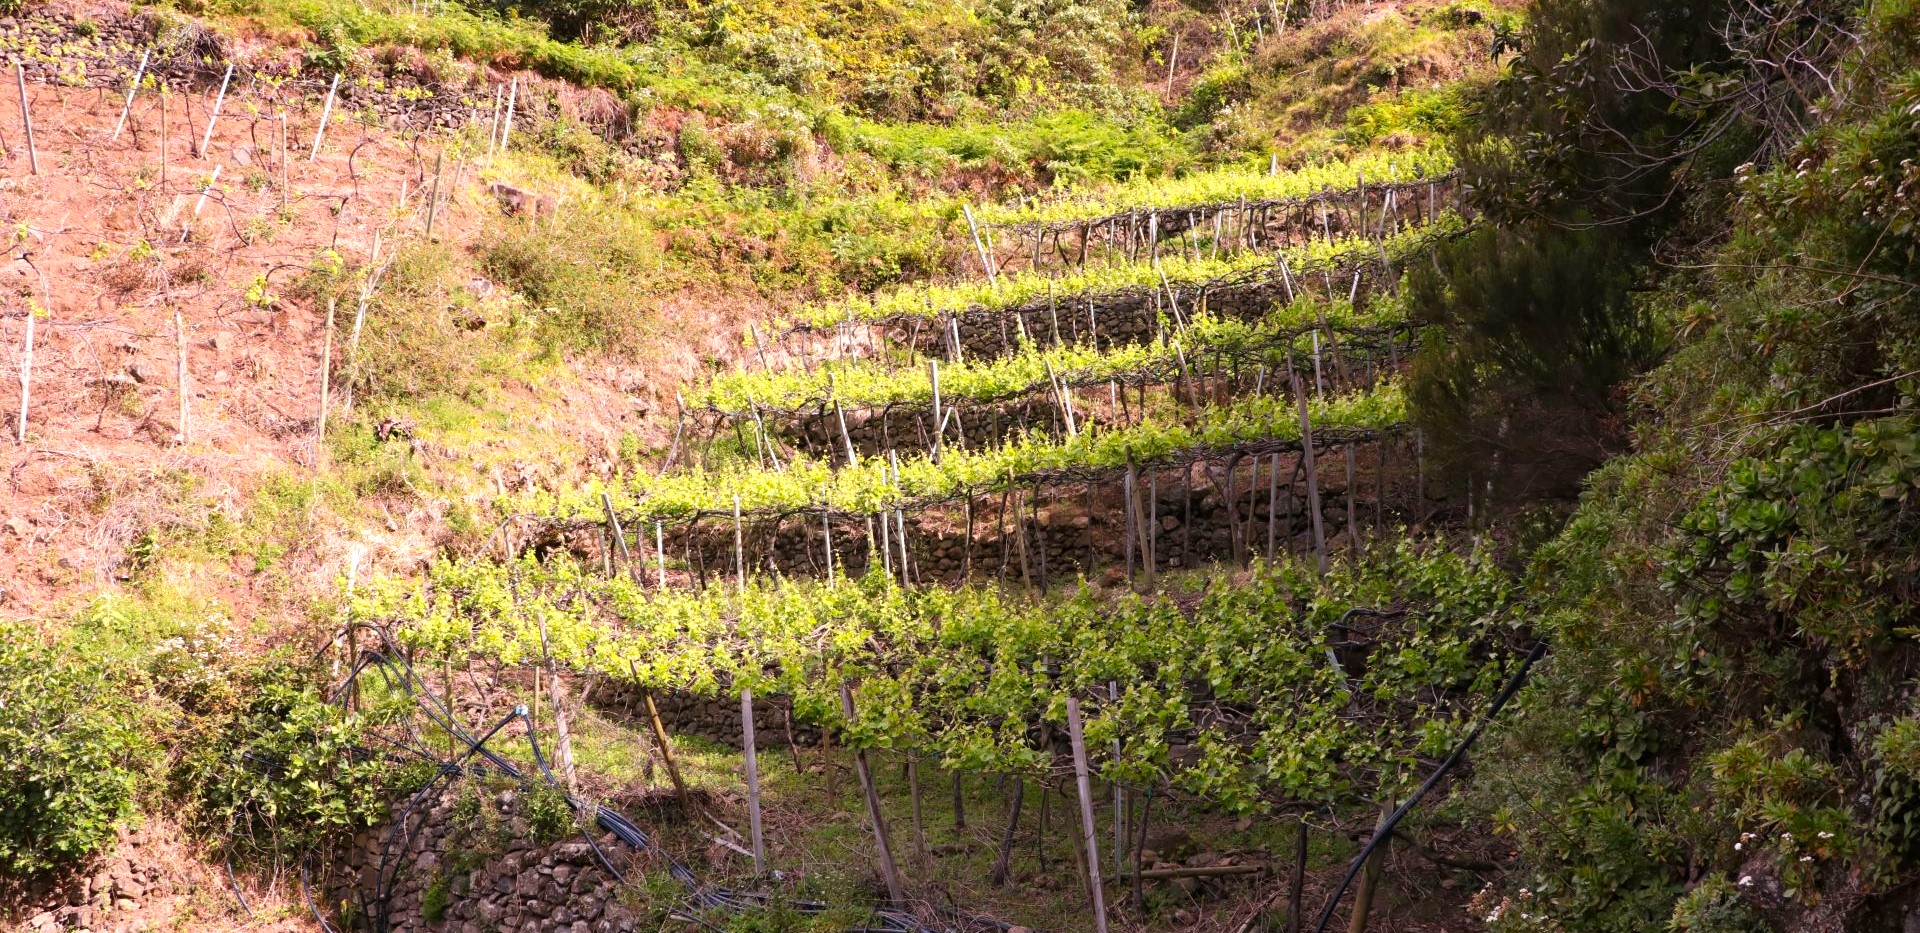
(1826, 835)
(1806, 858)
(1746, 880)
(1738, 846)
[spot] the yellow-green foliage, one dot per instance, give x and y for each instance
(865, 383)
(1227, 185)
(873, 484)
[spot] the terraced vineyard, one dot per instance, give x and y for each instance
(959, 550)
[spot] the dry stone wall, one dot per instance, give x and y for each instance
(472, 863)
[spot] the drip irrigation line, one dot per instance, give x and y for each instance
(1385, 830)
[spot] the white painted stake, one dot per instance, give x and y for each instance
(26, 119)
(132, 89)
(186, 229)
(26, 374)
(660, 553)
(206, 139)
(325, 112)
(506, 129)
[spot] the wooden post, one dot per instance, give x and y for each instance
(1353, 523)
(1313, 477)
(959, 801)
(1370, 877)
(939, 423)
(26, 118)
(132, 89)
(283, 163)
(739, 549)
(1273, 503)
(206, 140)
(1001, 863)
(1296, 885)
(1077, 735)
(1119, 797)
(660, 739)
(325, 112)
(895, 893)
(433, 199)
(919, 824)
(163, 133)
(326, 379)
(826, 533)
(180, 373)
(752, 761)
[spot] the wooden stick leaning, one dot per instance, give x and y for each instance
(752, 765)
(891, 871)
(1077, 735)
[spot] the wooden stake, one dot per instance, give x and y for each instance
(326, 379)
(660, 739)
(1077, 735)
(1313, 477)
(26, 118)
(433, 199)
(1296, 885)
(1370, 877)
(752, 760)
(180, 374)
(325, 112)
(1001, 862)
(1353, 523)
(979, 245)
(739, 549)
(891, 872)
(284, 192)
(919, 825)
(132, 89)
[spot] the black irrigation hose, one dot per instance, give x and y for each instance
(396, 670)
(1385, 831)
(306, 894)
(235, 884)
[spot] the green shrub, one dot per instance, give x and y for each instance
(549, 814)
(71, 753)
(1713, 906)
(283, 770)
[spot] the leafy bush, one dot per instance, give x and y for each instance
(71, 753)
(549, 814)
